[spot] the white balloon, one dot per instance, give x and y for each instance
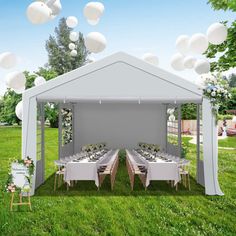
(72, 21)
(93, 22)
(55, 7)
(95, 42)
(202, 66)
(177, 62)
(198, 43)
(172, 118)
(20, 90)
(39, 81)
(72, 46)
(151, 58)
(74, 36)
(189, 62)
(7, 60)
(19, 110)
(182, 44)
(93, 10)
(73, 53)
(38, 13)
(217, 33)
(15, 80)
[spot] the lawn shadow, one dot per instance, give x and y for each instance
(121, 188)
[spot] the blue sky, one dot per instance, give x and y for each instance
(132, 26)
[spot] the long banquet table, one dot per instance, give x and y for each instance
(158, 170)
(86, 170)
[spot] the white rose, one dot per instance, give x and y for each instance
(213, 94)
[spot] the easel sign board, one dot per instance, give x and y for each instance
(19, 175)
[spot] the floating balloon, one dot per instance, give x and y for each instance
(19, 110)
(72, 21)
(55, 6)
(39, 81)
(182, 44)
(7, 60)
(198, 43)
(74, 36)
(189, 62)
(73, 53)
(93, 22)
(95, 42)
(202, 66)
(20, 90)
(217, 33)
(38, 13)
(177, 62)
(72, 46)
(151, 58)
(93, 11)
(15, 80)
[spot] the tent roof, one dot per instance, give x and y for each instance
(119, 76)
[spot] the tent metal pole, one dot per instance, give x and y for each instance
(179, 131)
(198, 142)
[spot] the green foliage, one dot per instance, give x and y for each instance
(59, 56)
(223, 4)
(189, 111)
(225, 117)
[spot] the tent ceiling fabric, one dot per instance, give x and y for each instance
(118, 77)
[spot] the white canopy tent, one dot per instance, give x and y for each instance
(121, 100)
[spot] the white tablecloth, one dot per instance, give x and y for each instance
(159, 170)
(85, 170)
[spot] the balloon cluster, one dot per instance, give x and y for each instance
(151, 58)
(95, 42)
(189, 47)
(42, 11)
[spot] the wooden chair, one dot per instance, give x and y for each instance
(136, 170)
(111, 170)
(185, 174)
(59, 174)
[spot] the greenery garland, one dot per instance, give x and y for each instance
(10, 186)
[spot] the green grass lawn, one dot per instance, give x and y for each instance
(229, 142)
(85, 211)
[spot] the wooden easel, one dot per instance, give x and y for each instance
(21, 202)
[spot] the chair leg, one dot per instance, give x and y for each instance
(55, 182)
(189, 182)
(176, 187)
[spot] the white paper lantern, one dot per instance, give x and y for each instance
(95, 42)
(55, 6)
(93, 22)
(182, 44)
(172, 118)
(19, 110)
(72, 21)
(189, 62)
(177, 62)
(93, 11)
(151, 58)
(202, 66)
(39, 81)
(74, 36)
(38, 13)
(15, 80)
(7, 60)
(72, 46)
(73, 53)
(217, 33)
(20, 90)
(198, 43)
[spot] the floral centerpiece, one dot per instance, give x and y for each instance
(10, 186)
(216, 88)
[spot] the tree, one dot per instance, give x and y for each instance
(232, 80)
(189, 111)
(59, 57)
(227, 50)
